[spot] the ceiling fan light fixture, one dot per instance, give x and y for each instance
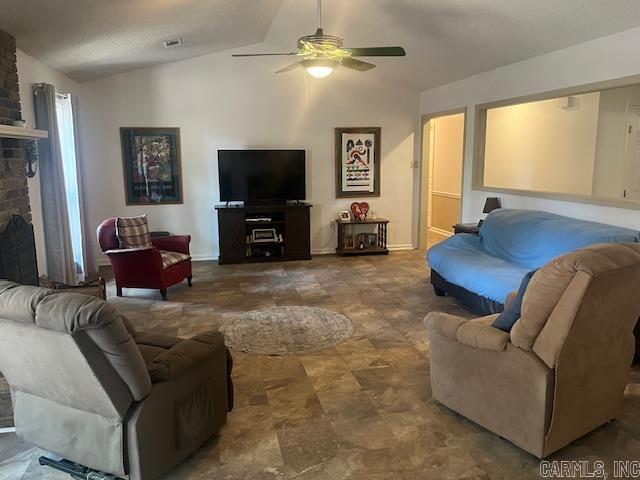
(320, 68)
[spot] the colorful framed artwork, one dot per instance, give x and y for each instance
(151, 164)
(358, 162)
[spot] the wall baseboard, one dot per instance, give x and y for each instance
(391, 248)
(323, 251)
(439, 231)
(205, 257)
(400, 246)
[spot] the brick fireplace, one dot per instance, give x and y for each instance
(14, 193)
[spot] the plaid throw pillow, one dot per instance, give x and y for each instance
(133, 232)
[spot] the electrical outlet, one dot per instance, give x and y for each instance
(332, 225)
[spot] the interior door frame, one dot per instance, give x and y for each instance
(628, 164)
(425, 118)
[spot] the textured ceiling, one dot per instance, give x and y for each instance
(445, 40)
(87, 39)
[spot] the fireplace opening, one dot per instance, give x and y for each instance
(18, 252)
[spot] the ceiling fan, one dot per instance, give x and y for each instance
(321, 54)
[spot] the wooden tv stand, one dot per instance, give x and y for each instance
(290, 222)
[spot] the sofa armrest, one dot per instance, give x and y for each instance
(185, 355)
(173, 243)
(127, 251)
(477, 333)
(443, 323)
(126, 261)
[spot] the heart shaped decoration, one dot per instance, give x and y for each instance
(360, 210)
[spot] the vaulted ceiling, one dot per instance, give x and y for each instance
(445, 40)
(88, 39)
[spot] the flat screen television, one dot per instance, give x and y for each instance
(261, 175)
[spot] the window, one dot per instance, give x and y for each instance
(584, 145)
(64, 114)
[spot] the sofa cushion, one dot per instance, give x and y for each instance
(511, 313)
(530, 239)
(169, 259)
(133, 232)
(460, 260)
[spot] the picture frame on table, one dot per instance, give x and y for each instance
(344, 216)
(348, 242)
(371, 240)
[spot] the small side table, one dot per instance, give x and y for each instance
(374, 243)
(471, 228)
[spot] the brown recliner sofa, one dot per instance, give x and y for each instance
(87, 387)
(562, 370)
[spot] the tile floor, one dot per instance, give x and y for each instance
(360, 410)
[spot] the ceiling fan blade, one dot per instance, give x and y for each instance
(261, 54)
(355, 64)
(288, 68)
(377, 52)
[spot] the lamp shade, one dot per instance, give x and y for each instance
(491, 204)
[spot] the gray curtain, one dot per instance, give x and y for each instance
(60, 264)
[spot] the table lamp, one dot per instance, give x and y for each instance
(490, 204)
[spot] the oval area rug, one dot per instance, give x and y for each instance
(286, 330)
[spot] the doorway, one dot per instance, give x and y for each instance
(441, 176)
(631, 178)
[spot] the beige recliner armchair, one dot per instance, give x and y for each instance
(562, 370)
(86, 386)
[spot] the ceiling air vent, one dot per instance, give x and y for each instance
(174, 42)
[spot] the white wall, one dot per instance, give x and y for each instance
(32, 71)
(606, 58)
(221, 102)
(542, 147)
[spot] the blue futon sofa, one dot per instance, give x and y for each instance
(481, 270)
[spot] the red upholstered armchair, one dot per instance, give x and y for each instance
(164, 264)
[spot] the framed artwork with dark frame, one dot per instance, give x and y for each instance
(151, 165)
(358, 162)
